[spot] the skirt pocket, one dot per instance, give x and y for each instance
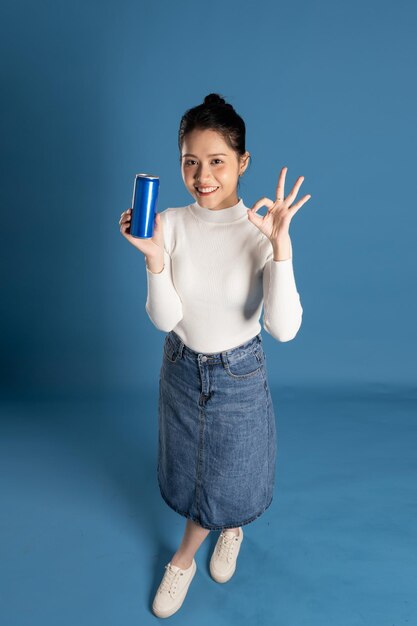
(245, 363)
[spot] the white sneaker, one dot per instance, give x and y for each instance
(223, 559)
(173, 589)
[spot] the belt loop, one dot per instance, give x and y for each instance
(223, 357)
(178, 341)
(181, 348)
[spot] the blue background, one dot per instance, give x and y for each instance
(93, 93)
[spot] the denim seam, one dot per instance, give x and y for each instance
(269, 433)
(199, 461)
(268, 429)
(241, 376)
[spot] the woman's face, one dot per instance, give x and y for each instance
(207, 162)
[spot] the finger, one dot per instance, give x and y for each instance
(294, 208)
(262, 202)
(291, 196)
(125, 216)
(256, 219)
(125, 221)
(281, 184)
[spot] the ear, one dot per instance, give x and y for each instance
(244, 162)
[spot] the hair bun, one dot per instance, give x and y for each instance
(215, 98)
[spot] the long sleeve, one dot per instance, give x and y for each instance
(282, 306)
(163, 304)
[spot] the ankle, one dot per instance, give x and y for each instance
(181, 561)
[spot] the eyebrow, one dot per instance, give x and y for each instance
(210, 155)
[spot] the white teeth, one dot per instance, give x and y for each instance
(206, 189)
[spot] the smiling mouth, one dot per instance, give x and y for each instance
(206, 191)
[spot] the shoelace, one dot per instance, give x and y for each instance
(169, 579)
(226, 546)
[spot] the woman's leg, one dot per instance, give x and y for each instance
(194, 536)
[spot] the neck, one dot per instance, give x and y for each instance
(228, 214)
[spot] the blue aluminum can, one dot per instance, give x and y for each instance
(145, 195)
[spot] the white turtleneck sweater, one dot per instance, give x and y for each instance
(218, 272)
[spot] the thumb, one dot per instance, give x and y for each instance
(254, 218)
(158, 223)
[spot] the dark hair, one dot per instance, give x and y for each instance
(215, 114)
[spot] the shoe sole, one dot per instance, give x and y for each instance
(175, 608)
(222, 579)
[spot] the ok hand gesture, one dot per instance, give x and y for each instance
(275, 223)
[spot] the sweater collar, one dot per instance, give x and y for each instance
(227, 215)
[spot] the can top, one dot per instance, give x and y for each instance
(146, 176)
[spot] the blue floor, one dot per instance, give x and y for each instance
(85, 533)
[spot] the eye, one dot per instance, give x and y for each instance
(191, 161)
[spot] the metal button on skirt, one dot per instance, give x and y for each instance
(217, 433)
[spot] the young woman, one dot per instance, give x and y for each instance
(211, 266)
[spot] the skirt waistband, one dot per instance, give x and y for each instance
(216, 357)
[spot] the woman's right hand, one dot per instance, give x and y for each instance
(152, 248)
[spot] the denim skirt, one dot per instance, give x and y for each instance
(217, 434)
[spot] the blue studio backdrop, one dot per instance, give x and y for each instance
(93, 93)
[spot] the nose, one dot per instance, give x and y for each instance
(202, 174)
